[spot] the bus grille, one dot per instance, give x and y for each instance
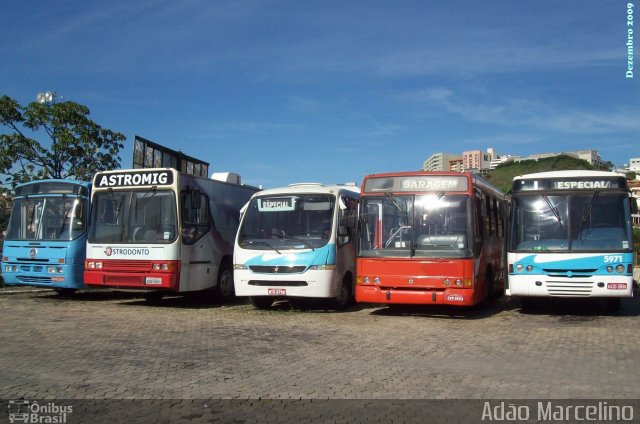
(29, 268)
(570, 272)
(572, 289)
(126, 265)
(278, 283)
(283, 269)
(33, 279)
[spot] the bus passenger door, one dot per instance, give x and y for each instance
(197, 262)
(345, 240)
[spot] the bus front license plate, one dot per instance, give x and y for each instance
(153, 280)
(617, 286)
(277, 292)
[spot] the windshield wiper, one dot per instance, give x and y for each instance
(266, 243)
(587, 211)
(554, 209)
(306, 243)
(150, 193)
(395, 202)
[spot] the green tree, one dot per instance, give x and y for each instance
(631, 175)
(77, 147)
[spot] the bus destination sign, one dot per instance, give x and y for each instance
(418, 183)
(134, 179)
(594, 183)
(276, 204)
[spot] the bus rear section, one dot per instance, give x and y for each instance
(297, 242)
(46, 235)
(571, 236)
(162, 231)
(429, 238)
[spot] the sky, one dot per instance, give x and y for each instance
(329, 91)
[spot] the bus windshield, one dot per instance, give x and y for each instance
(430, 225)
(134, 216)
(594, 221)
(301, 221)
(47, 218)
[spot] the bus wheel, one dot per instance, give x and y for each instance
(226, 291)
(613, 304)
(65, 292)
(344, 298)
(489, 284)
(261, 302)
(153, 296)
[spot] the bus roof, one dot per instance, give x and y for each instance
(52, 186)
(309, 188)
(569, 173)
(427, 181)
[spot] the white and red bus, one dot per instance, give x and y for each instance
(163, 231)
(430, 238)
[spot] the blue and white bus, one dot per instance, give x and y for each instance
(298, 241)
(571, 236)
(46, 236)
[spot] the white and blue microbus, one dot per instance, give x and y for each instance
(571, 236)
(297, 241)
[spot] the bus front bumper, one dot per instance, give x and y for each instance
(146, 281)
(449, 296)
(545, 286)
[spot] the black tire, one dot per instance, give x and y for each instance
(345, 298)
(261, 302)
(613, 304)
(66, 292)
(153, 296)
(225, 290)
(489, 285)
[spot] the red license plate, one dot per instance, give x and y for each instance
(617, 286)
(277, 292)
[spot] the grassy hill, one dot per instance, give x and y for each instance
(502, 176)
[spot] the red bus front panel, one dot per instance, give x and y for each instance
(412, 281)
(132, 274)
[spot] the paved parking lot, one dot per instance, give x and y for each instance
(109, 345)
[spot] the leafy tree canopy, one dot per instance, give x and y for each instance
(77, 148)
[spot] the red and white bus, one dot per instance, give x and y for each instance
(163, 231)
(430, 238)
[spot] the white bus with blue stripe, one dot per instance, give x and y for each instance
(571, 236)
(297, 242)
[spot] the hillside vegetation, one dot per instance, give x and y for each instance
(502, 176)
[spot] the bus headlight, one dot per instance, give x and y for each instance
(458, 283)
(529, 268)
(93, 264)
(446, 282)
(240, 266)
(54, 269)
(376, 280)
(10, 268)
(620, 268)
(609, 269)
(519, 267)
(366, 280)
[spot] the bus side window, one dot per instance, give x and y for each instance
(195, 216)
(347, 220)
